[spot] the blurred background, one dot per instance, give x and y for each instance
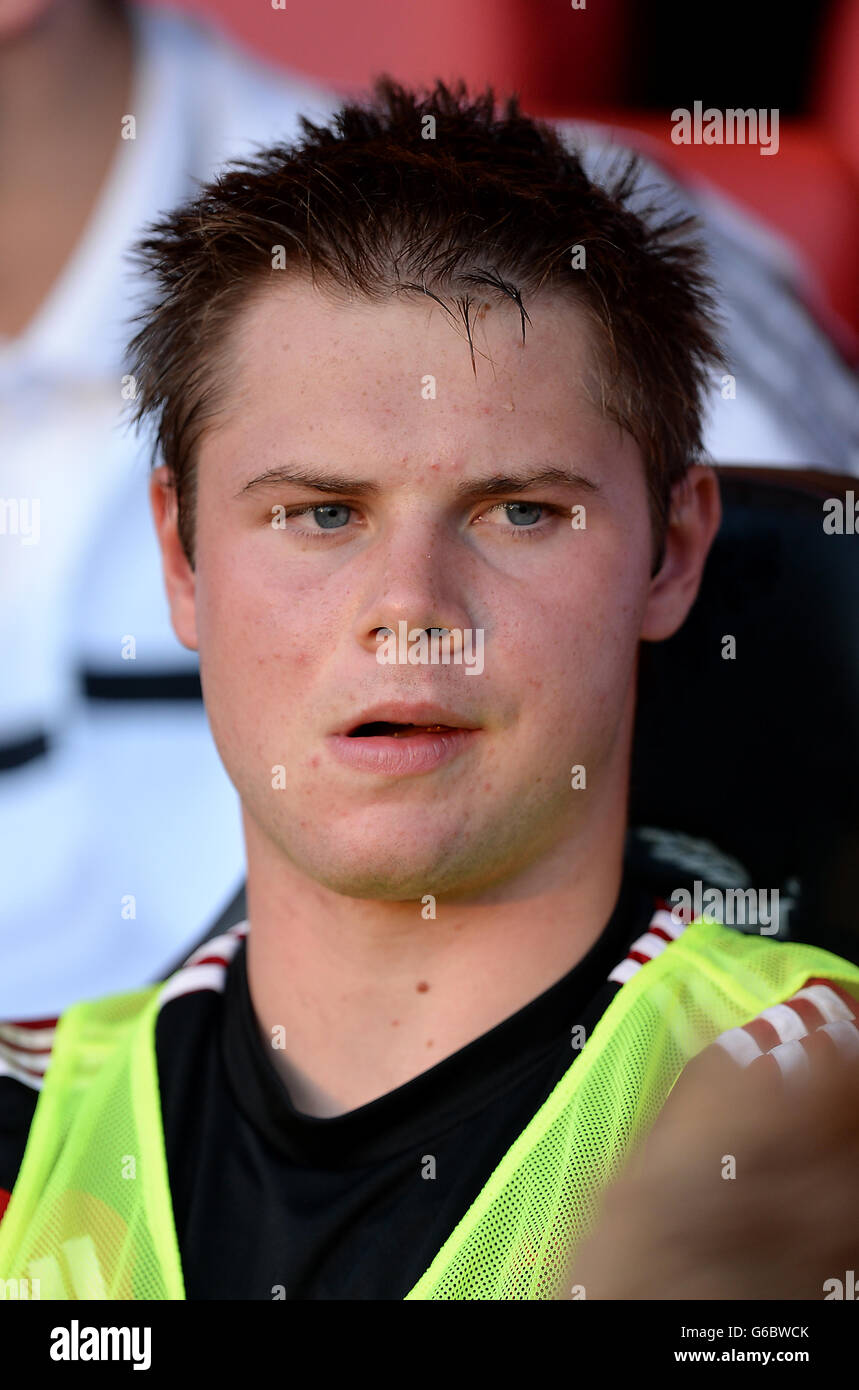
(120, 837)
(627, 64)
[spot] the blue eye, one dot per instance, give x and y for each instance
(524, 520)
(522, 513)
(330, 518)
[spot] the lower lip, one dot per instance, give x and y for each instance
(396, 757)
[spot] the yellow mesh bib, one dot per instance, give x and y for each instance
(90, 1215)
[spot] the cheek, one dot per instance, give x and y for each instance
(264, 640)
(576, 663)
(245, 599)
(254, 641)
(585, 626)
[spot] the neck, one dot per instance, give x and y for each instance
(362, 996)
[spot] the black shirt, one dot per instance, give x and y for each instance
(272, 1203)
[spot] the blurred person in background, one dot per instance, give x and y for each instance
(108, 113)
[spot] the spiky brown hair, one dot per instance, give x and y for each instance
(367, 205)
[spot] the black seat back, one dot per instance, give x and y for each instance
(760, 754)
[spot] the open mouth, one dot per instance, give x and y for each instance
(388, 730)
(399, 748)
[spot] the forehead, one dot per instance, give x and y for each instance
(322, 373)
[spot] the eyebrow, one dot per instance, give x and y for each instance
(493, 485)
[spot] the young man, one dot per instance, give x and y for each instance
(428, 401)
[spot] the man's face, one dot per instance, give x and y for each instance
(286, 615)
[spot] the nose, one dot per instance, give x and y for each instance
(423, 588)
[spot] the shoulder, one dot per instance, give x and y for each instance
(25, 1052)
(188, 1003)
(188, 1030)
(205, 970)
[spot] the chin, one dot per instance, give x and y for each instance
(375, 885)
(386, 876)
(387, 870)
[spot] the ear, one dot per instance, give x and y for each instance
(179, 578)
(694, 518)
